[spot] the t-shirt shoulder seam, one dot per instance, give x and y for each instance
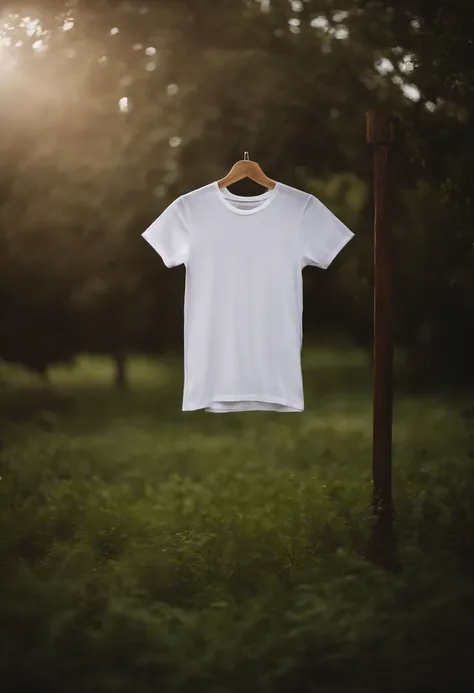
(307, 201)
(303, 211)
(196, 191)
(183, 208)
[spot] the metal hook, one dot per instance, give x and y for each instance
(246, 156)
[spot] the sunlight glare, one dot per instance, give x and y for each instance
(341, 33)
(411, 92)
(39, 45)
(296, 5)
(320, 23)
(384, 65)
(32, 26)
(407, 63)
(123, 104)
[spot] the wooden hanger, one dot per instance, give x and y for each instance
(244, 168)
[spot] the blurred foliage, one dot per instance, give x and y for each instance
(435, 286)
(215, 554)
(112, 109)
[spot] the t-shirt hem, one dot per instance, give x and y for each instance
(205, 404)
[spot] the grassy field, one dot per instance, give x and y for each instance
(148, 549)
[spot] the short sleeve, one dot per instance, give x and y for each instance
(169, 236)
(322, 235)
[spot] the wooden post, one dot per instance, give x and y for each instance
(382, 546)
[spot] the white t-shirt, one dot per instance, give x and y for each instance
(243, 305)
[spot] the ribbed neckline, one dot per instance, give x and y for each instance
(225, 195)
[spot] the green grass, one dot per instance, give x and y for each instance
(144, 548)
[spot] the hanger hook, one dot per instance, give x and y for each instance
(246, 156)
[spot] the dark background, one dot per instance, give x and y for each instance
(81, 176)
(143, 548)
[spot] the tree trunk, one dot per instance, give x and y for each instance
(121, 378)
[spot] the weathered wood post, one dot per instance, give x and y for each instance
(382, 545)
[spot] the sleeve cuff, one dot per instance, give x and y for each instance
(159, 248)
(335, 251)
